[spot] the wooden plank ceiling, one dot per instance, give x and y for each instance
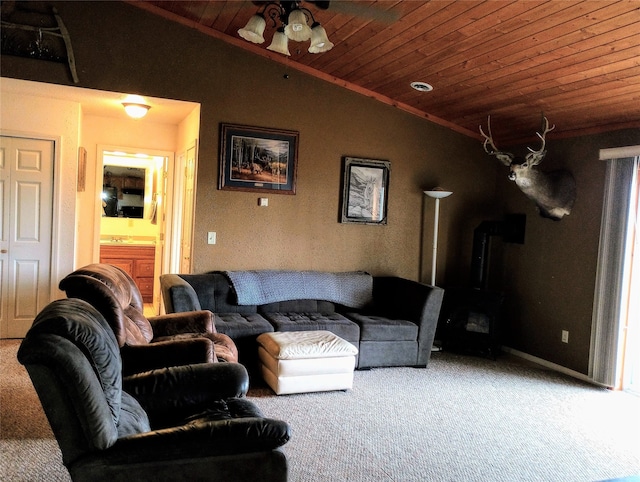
(578, 62)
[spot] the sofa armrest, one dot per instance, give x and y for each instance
(178, 295)
(169, 395)
(177, 323)
(413, 301)
(141, 358)
(405, 298)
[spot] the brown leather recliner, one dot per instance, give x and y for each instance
(147, 343)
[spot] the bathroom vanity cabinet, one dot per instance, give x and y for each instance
(138, 261)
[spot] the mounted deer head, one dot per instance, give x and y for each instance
(553, 192)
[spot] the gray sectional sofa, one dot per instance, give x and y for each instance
(391, 320)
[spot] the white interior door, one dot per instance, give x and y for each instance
(26, 197)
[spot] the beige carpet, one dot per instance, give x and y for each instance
(29, 451)
(463, 419)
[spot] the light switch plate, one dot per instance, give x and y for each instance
(263, 201)
(211, 237)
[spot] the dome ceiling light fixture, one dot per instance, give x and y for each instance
(135, 106)
(291, 22)
(421, 86)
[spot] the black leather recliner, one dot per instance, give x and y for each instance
(187, 422)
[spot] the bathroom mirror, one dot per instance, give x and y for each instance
(123, 191)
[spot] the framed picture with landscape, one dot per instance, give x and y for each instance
(258, 159)
(365, 191)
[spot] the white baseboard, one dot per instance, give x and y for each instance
(550, 365)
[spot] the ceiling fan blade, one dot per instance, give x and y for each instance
(321, 4)
(346, 7)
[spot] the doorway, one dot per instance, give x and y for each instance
(79, 119)
(26, 200)
(630, 365)
(614, 357)
(131, 215)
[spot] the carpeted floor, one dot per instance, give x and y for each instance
(462, 419)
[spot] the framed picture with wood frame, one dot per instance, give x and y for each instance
(82, 169)
(365, 191)
(258, 159)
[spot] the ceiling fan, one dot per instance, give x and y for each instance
(291, 20)
(278, 14)
(345, 7)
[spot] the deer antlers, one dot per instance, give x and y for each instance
(505, 157)
(534, 157)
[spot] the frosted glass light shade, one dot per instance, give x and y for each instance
(279, 43)
(297, 28)
(438, 193)
(137, 111)
(254, 29)
(319, 40)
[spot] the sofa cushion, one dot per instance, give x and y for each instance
(388, 354)
(225, 297)
(238, 325)
(215, 294)
(268, 286)
(308, 306)
(202, 285)
(307, 321)
(380, 328)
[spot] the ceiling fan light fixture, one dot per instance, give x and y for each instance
(254, 29)
(291, 22)
(279, 43)
(297, 28)
(422, 86)
(319, 40)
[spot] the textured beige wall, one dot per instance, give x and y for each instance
(303, 231)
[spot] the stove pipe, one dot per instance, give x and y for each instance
(480, 254)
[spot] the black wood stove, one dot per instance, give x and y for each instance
(470, 317)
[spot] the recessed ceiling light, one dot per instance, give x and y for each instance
(422, 86)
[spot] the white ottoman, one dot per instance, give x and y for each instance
(306, 361)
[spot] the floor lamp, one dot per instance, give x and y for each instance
(437, 193)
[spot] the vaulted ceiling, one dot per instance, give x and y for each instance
(576, 62)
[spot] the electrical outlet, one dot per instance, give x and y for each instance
(211, 237)
(565, 336)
